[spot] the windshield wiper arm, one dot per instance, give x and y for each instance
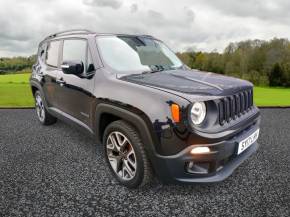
(151, 71)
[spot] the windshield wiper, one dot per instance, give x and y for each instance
(151, 71)
(155, 68)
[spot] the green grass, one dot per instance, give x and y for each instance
(15, 78)
(15, 92)
(270, 96)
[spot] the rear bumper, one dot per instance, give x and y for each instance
(216, 165)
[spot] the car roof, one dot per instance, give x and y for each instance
(82, 32)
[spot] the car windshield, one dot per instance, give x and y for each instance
(136, 54)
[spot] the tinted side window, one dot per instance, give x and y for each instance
(52, 53)
(74, 50)
(41, 52)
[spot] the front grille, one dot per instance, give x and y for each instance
(234, 106)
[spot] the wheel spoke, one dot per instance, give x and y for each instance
(110, 144)
(113, 162)
(116, 162)
(38, 100)
(121, 141)
(41, 113)
(130, 152)
(119, 164)
(132, 162)
(115, 143)
(126, 166)
(123, 172)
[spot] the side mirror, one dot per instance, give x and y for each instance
(72, 67)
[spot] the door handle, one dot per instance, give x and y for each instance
(64, 66)
(60, 81)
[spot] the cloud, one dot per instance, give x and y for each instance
(271, 10)
(184, 24)
(190, 15)
(134, 8)
(115, 4)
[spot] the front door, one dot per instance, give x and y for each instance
(49, 70)
(75, 97)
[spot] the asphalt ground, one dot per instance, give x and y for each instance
(59, 171)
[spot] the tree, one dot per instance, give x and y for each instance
(276, 75)
(261, 62)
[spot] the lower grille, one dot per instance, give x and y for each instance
(234, 106)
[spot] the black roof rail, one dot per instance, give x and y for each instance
(71, 31)
(149, 36)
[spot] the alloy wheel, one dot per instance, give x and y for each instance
(39, 108)
(121, 155)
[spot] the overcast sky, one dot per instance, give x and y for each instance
(182, 24)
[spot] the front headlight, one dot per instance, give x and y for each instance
(198, 112)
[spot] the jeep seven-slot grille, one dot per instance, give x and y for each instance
(234, 106)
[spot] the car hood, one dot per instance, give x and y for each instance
(190, 82)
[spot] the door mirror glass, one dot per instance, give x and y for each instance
(73, 67)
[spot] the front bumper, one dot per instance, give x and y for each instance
(217, 165)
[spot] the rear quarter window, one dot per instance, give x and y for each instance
(52, 53)
(41, 53)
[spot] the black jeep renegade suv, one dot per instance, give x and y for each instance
(152, 114)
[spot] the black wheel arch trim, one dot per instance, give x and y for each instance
(39, 88)
(134, 119)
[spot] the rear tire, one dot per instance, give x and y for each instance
(125, 155)
(43, 116)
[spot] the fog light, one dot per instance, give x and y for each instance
(200, 150)
(198, 167)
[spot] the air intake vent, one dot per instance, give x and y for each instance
(234, 106)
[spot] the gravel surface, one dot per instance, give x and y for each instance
(59, 171)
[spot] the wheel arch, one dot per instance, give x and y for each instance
(34, 89)
(37, 87)
(107, 113)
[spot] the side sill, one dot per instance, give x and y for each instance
(66, 117)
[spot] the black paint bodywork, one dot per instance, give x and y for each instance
(144, 101)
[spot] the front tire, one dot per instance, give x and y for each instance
(125, 155)
(43, 116)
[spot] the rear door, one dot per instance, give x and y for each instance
(49, 72)
(75, 97)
